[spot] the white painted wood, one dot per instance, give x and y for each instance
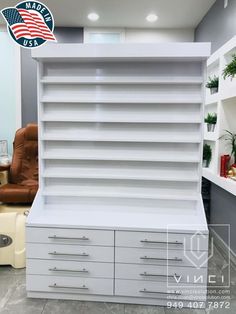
(114, 298)
(120, 151)
(71, 285)
(191, 51)
(166, 240)
(189, 80)
(69, 268)
(150, 289)
(222, 103)
(170, 274)
(70, 252)
(70, 236)
(143, 256)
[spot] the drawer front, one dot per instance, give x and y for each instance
(171, 274)
(70, 268)
(69, 285)
(155, 290)
(70, 236)
(153, 256)
(161, 240)
(70, 252)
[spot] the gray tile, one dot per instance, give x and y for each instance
(17, 301)
(79, 307)
(143, 309)
(8, 285)
(9, 270)
(63, 307)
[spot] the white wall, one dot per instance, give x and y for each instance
(158, 35)
(10, 88)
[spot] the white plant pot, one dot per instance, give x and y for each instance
(205, 164)
(214, 90)
(210, 127)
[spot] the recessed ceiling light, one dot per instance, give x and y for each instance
(93, 16)
(151, 17)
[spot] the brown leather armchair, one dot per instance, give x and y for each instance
(23, 172)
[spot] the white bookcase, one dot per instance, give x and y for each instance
(224, 104)
(120, 138)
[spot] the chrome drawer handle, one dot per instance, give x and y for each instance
(145, 274)
(69, 270)
(68, 287)
(67, 238)
(160, 292)
(67, 254)
(161, 242)
(175, 259)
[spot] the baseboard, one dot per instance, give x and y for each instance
(223, 247)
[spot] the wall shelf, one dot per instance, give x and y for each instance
(224, 104)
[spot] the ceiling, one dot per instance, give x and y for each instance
(125, 13)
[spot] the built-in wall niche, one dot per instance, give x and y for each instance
(212, 71)
(228, 122)
(228, 83)
(211, 109)
(213, 162)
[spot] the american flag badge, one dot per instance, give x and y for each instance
(30, 24)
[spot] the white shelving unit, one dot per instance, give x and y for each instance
(224, 104)
(120, 138)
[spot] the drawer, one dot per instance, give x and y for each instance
(161, 273)
(70, 268)
(69, 285)
(161, 240)
(153, 256)
(70, 236)
(155, 290)
(70, 252)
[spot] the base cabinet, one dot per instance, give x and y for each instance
(119, 265)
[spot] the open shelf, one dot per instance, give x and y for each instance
(188, 80)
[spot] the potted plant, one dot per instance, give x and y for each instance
(213, 84)
(211, 120)
(231, 139)
(207, 154)
(230, 69)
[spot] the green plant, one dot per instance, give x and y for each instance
(213, 82)
(207, 153)
(211, 118)
(230, 69)
(231, 139)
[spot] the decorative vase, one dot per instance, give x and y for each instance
(224, 164)
(210, 127)
(214, 90)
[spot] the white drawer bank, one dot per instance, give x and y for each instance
(119, 216)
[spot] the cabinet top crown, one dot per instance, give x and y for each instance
(124, 51)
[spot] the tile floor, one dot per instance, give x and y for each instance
(13, 297)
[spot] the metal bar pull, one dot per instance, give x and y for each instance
(160, 292)
(161, 242)
(67, 238)
(175, 259)
(68, 254)
(145, 274)
(68, 287)
(69, 270)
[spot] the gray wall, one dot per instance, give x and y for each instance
(29, 73)
(218, 25)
